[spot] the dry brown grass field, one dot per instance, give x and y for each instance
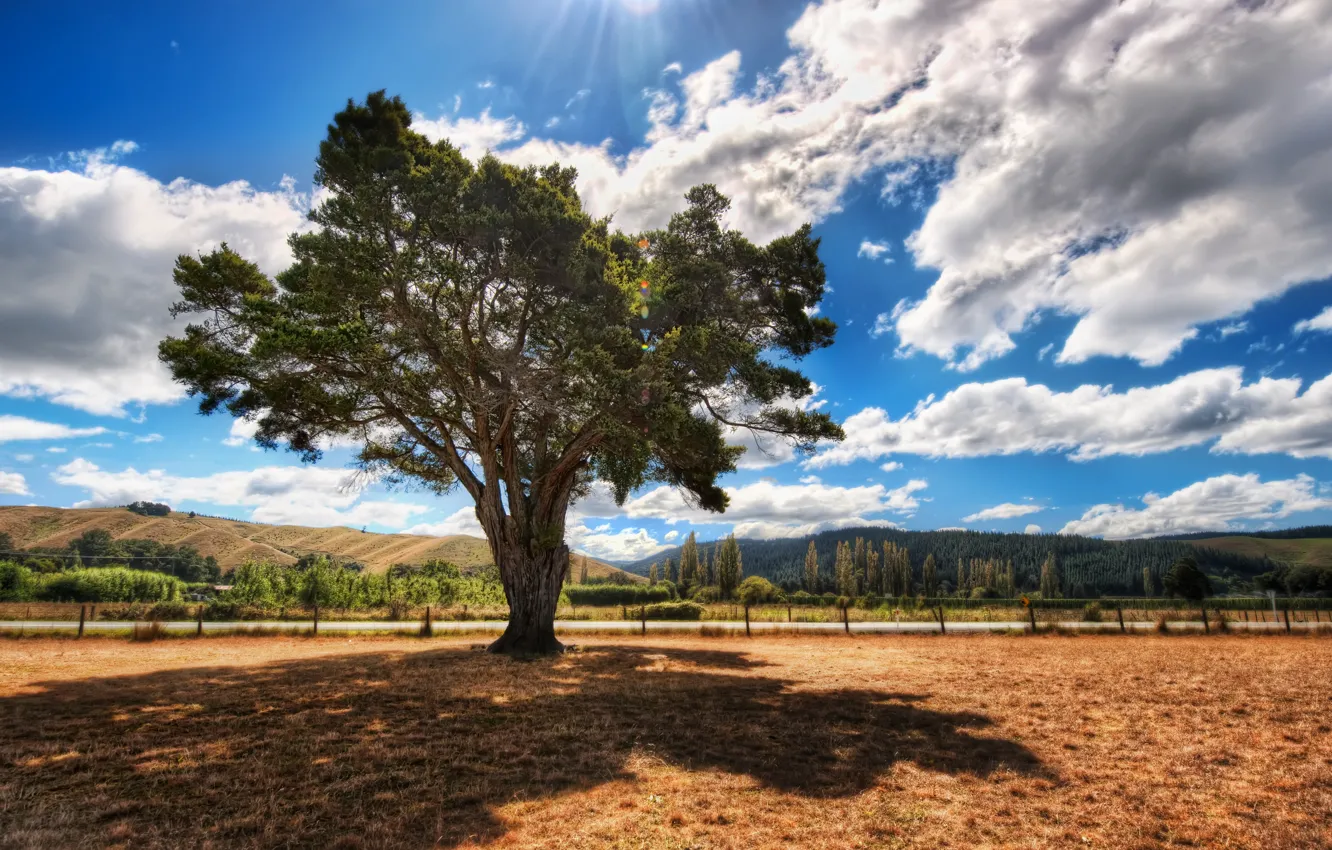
(977, 741)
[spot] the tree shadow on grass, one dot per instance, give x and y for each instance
(417, 749)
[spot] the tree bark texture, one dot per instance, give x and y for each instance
(532, 585)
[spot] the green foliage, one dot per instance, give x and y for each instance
(148, 508)
(811, 574)
(1051, 584)
(730, 567)
(109, 584)
(757, 590)
(844, 570)
(706, 594)
(331, 585)
(97, 548)
(690, 573)
(674, 611)
(1300, 580)
(622, 594)
(1091, 613)
(1184, 579)
(17, 583)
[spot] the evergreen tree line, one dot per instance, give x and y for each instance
(954, 562)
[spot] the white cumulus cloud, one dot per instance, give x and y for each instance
(1147, 168)
(872, 249)
(1008, 510)
(766, 508)
(627, 544)
(461, 521)
(1032, 528)
(1215, 504)
(1010, 416)
(15, 428)
(1321, 322)
(86, 255)
(13, 483)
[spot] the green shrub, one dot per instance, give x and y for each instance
(110, 584)
(618, 594)
(146, 611)
(1091, 613)
(706, 595)
(340, 586)
(675, 611)
(757, 590)
(17, 583)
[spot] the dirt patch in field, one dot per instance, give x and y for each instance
(977, 741)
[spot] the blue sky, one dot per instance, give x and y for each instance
(1078, 254)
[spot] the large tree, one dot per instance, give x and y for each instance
(1185, 579)
(470, 325)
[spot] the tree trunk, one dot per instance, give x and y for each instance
(532, 585)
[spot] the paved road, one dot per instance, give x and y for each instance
(631, 627)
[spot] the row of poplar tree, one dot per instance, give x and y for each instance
(860, 570)
(721, 567)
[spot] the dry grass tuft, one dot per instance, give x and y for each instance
(668, 742)
(150, 630)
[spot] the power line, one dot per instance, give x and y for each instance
(86, 557)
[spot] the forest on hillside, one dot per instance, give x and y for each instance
(1088, 566)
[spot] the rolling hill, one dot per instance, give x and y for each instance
(1314, 551)
(233, 542)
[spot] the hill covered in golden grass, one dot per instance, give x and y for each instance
(233, 542)
(1310, 551)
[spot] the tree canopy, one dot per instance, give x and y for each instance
(1186, 580)
(469, 324)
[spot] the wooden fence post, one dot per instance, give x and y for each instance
(198, 630)
(788, 613)
(1286, 611)
(92, 612)
(1120, 611)
(1207, 630)
(846, 620)
(643, 613)
(430, 622)
(83, 609)
(746, 621)
(943, 630)
(1031, 613)
(316, 619)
